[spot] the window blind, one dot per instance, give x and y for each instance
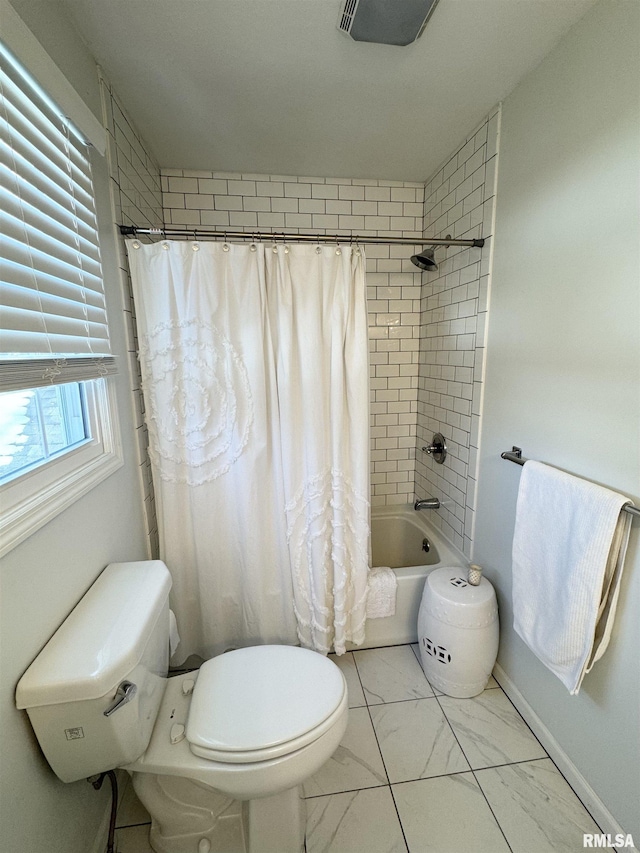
(53, 322)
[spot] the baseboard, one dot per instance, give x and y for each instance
(592, 802)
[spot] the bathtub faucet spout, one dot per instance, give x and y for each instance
(429, 503)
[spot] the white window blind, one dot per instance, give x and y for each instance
(53, 323)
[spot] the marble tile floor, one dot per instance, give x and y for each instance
(425, 773)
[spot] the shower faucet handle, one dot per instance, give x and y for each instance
(438, 448)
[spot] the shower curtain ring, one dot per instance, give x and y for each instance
(195, 246)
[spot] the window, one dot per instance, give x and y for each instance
(58, 435)
(38, 424)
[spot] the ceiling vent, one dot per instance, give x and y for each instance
(398, 22)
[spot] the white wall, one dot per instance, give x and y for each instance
(44, 577)
(563, 377)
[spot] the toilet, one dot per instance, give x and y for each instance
(250, 725)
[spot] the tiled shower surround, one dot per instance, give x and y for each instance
(460, 201)
(426, 330)
(136, 200)
(344, 206)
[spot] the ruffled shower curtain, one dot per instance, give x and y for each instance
(255, 379)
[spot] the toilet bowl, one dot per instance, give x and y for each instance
(250, 726)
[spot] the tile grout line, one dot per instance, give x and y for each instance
(525, 761)
(412, 699)
(469, 763)
(395, 805)
(491, 809)
(456, 739)
(419, 778)
(475, 777)
(349, 791)
(550, 758)
(375, 734)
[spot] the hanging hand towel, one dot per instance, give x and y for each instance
(569, 546)
(382, 585)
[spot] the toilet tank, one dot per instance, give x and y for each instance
(118, 634)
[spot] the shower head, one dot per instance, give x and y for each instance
(425, 260)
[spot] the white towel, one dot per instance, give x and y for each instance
(569, 546)
(382, 585)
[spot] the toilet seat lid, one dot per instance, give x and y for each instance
(261, 697)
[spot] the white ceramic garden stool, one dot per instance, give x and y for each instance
(458, 631)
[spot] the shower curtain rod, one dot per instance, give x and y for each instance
(204, 233)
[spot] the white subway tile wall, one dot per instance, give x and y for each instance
(460, 201)
(136, 200)
(314, 205)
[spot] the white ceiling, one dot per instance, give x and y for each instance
(271, 86)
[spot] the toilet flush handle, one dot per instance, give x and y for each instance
(125, 693)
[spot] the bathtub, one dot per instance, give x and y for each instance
(397, 536)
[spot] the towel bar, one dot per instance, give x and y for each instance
(515, 455)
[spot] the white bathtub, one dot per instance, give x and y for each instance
(397, 534)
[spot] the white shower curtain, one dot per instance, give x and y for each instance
(255, 379)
